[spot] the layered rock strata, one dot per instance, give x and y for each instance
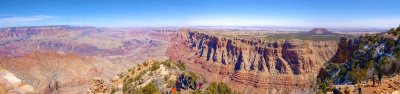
(252, 65)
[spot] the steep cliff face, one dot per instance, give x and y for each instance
(281, 56)
(344, 51)
(361, 60)
(253, 62)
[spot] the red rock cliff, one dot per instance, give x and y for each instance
(253, 65)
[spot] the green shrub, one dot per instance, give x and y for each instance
(127, 85)
(384, 60)
(167, 63)
(155, 66)
(181, 65)
(393, 31)
(130, 80)
(372, 52)
(343, 71)
(220, 88)
(323, 86)
(145, 64)
(323, 74)
(140, 75)
(139, 67)
(398, 28)
(120, 75)
(193, 75)
(397, 52)
(213, 88)
(197, 92)
(150, 89)
(390, 43)
(370, 64)
(357, 75)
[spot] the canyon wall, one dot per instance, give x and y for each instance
(64, 59)
(253, 65)
(344, 51)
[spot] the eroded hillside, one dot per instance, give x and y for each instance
(63, 59)
(362, 61)
(250, 62)
(159, 77)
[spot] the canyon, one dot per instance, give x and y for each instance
(66, 59)
(251, 63)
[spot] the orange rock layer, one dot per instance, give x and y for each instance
(252, 66)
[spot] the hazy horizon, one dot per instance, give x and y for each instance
(175, 13)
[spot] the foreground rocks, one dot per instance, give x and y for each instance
(390, 85)
(161, 74)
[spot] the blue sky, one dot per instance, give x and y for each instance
(125, 13)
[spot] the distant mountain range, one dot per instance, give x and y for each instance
(239, 28)
(282, 28)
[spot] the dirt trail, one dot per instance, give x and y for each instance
(390, 85)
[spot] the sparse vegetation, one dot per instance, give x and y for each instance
(140, 75)
(167, 63)
(127, 85)
(394, 68)
(113, 90)
(394, 31)
(170, 83)
(155, 66)
(150, 89)
(197, 92)
(139, 67)
(378, 54)
(323, 86)
(181, 65)
(357, 75)
(218, 88)
(145, 64)
(191, 74)
(130, 81)
(166, 77)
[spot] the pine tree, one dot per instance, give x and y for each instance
(398, 28)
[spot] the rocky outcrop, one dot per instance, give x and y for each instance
(273, 57)
(51, 88)
(162, 74)
(344, 51)
(361, 60)
(254, 62)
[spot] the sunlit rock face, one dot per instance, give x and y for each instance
(64, 59)
(253, 65)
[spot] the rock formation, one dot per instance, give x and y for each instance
(252, 65)
(64, 59)
(344, 51)
(135, 79)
